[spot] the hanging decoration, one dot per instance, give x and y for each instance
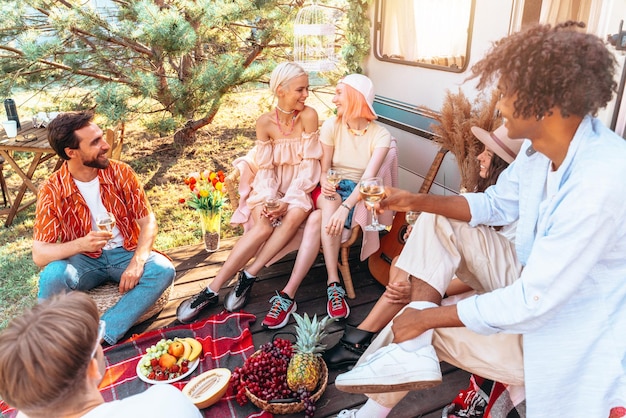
(314, 39)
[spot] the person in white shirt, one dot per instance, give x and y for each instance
(51, 363)
(565, 189)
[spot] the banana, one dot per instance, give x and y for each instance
(196, 348)
(187, 351)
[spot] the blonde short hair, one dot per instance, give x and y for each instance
(283, 73)
(45, 352)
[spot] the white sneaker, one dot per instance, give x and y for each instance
(392, 369)
(347, 413)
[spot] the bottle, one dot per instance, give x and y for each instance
(9, 106)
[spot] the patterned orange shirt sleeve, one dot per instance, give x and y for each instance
(62, 213)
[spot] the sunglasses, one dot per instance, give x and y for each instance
(101, 329)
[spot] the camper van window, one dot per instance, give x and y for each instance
(426, 33)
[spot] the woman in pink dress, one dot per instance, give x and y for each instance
(287, 158)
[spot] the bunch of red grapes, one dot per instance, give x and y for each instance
(265, 376)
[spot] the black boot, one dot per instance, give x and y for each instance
(349, 349)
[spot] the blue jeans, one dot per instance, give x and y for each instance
(80, 272)
(345, 190)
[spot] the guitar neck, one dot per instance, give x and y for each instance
(432, 171)
(392, 243)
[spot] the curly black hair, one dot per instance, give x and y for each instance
(549, 67)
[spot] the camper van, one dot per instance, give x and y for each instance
(421, 49)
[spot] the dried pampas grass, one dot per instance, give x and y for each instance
(453, 132)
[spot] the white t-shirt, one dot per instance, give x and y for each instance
(159, 401)
(352, 153)
(91, 193)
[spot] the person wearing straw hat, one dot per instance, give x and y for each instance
(495, 157)
(565, 189)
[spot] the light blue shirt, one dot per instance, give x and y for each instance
(570, 300)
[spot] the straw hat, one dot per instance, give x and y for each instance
(499, 142)
(363, 85)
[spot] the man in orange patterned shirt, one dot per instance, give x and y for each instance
(74, 254)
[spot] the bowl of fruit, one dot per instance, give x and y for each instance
(169, 360)
(283, 377)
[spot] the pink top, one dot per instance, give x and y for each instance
(370, 243)
(289, 168)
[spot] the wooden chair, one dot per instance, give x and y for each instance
(6, 197)
(389, 172)
(115, 138)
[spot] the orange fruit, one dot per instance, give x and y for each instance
(167, 360)
(176, 349)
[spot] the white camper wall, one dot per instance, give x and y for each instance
(427, 87)
(400, 87)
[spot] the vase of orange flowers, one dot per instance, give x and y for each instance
(207, 198)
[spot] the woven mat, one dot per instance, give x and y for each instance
(226, 342)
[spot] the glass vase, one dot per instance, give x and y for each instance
(210, 221)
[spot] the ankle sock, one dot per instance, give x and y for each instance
(248, 275)
(372, 409)
(421, 340)
(208, 289)
(421, 304)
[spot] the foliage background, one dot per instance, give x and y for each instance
(171, 61)
(162, 166)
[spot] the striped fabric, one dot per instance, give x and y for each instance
(62, 213)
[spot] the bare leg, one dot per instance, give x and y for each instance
(281, 235)
(330, 243)
(307, 253)
(244, 250)
(384, 310)
(422, 291)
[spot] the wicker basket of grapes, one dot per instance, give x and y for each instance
(282, 377)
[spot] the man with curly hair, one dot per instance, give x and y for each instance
(566, 300)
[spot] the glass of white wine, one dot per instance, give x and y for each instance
(334, 177)
(372, 190)
(272, 203)
(411, 217)
(105, 222)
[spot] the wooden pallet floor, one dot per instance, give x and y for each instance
(195, 267)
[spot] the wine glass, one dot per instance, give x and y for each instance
(372, 191)
(272, 203)
(334, 177)
(105, 222)
(411, 217)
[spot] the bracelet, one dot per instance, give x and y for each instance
(346, 206)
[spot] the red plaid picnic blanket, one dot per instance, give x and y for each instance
(226, 342)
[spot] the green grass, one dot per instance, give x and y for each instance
(162, 167)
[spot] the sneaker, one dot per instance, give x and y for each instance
(393, 369)
(345, 413)
(337, 306)
(238, 298)
(189, 309)
(282, 308)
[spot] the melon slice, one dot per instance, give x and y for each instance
(207, 388)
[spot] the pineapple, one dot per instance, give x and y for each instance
(305, 365)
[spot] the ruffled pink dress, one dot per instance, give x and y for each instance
(289, 168)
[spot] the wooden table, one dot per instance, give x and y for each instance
(28, 139)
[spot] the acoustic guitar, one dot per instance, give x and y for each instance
(392, 243)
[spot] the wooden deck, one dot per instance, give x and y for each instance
(195, 267)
